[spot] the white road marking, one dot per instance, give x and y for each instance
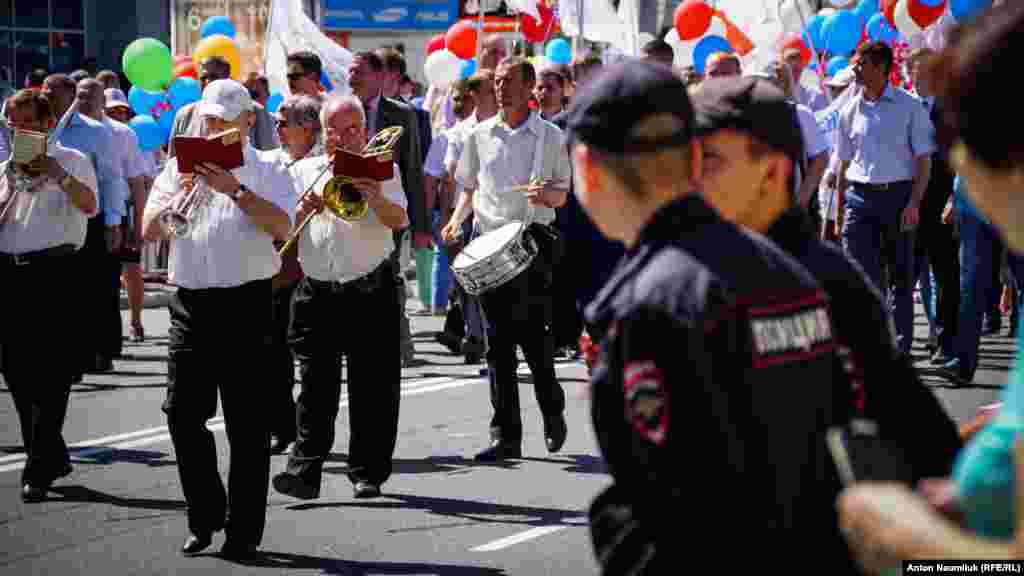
(160, 434)
(517, 538)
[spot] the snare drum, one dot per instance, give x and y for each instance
(493, 259)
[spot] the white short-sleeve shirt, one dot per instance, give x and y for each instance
(127, 143)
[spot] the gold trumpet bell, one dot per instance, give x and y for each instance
(344, 200)
(382, 143)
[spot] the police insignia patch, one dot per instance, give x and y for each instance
(790, 332)
(647, 406)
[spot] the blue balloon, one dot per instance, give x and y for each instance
(835, 64)
(184, 90)
(865, 10)
(706, 47)
(558, 51)
(217, 25)
(931, 3)
(468, 68)
(967, 10)
(166, 124)
(144, 101)
(273, 101)
(326, 82)
(841, 32)
(880, 30)
(812, 35)
(147, 131)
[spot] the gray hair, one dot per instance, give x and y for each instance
(336, 103)
(301, 109)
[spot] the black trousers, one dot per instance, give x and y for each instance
(217, 339)
(99, 276)
(935, 242)
(357, 320)
(520, 313)
(39, 383)
(281, 372)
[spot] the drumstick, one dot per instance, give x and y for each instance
(525, 187)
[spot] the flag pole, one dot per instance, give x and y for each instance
(479, 32)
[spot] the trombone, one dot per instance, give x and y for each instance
(340, 196)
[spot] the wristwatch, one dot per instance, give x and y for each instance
(238, 193)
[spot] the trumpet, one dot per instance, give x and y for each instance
(178, 220)
(340, 196)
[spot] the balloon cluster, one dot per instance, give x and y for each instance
(700, 31)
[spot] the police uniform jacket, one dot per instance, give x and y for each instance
(717, 381)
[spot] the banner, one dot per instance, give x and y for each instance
(249, 18)
(390, 14)
(291, 30)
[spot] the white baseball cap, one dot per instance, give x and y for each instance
(842, 78)
(115, 99)
(225, 99)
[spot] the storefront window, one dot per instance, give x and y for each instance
(48, 34)
(68, 14)
(68, 50)
(6, 13)
(32, 13)
(31, 51)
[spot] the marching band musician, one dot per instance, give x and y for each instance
(42, 225)
(298, 129)
(499, 154)
(346, 305)
(221, 319)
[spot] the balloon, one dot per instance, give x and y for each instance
(144, 101)
(442, 68)
(841, 3)
(219, 45)
(558, 51)
(904, 23)
(706, 47)
(435, 43)
(835, 64)
(826, 12)
(879, 29)
(147, 131)
(841, 32)
(795, 43)
(467, 68)
(932, 3)
(813, 34)
(185, 69)
(965, 10)
(888, 6)
(147, 63)
(692, 19)
(925, 15)
(865, 10)
(326, 82)
(166, 124)
(460, 40)
(184, 91)
(533, 30)
(273, 101)
(217, 25)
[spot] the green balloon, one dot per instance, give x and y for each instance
(148, 64)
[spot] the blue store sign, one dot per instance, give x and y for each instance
(390, 14)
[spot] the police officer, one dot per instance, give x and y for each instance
(749, 137)
(718, 350)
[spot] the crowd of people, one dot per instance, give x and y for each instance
(714, 242)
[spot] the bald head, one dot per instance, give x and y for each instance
(60, 91)
(90, 98)
(344, 123)
(492, 51)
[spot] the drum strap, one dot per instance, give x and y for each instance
(537, 173)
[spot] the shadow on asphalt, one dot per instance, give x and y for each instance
(339, 567)
(482, 512)
(431, 465)
(148, 457)
(578, 463)
(77, 493)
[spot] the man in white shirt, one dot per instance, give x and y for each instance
(499, 155)
(346, 305)
(221, 322)
(43, 221)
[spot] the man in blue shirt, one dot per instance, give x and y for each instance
(884, 143)
(101, 270)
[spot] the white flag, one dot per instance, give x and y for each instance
(290, 30)
(525, 7)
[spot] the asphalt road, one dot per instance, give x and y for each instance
(122, 511)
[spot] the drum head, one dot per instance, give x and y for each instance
(487, 244)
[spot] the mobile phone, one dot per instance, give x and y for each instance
(859, 453)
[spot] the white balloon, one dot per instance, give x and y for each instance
(646, 37)
(683, 49)
(442, 68)
(841, 3)
(826, 12)
(904, 23)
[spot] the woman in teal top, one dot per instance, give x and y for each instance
(885, 523)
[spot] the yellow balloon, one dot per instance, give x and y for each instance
(219, 45)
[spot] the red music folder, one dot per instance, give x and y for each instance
(380, 167)
(223, 149)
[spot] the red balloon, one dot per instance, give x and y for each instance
(461, 40)
(535, 31)
(692, 19)
(185, 68)
(924, 14)
(435, 43)
(889, 9)
(795, 43)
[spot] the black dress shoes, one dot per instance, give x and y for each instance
(196, 543)
(30, 493)
(366, 490)
(292, 485)
(555, 434)
(499, 451)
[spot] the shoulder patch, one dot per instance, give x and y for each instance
(791, 331)
(647, 403)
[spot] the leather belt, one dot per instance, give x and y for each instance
(365, 284)
(882, 187)
(26, 258)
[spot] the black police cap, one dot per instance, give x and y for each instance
(605, 111)
(750, 105)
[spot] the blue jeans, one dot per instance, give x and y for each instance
(976, 241)
(926, 281)
(442, 273)
(873, 225)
